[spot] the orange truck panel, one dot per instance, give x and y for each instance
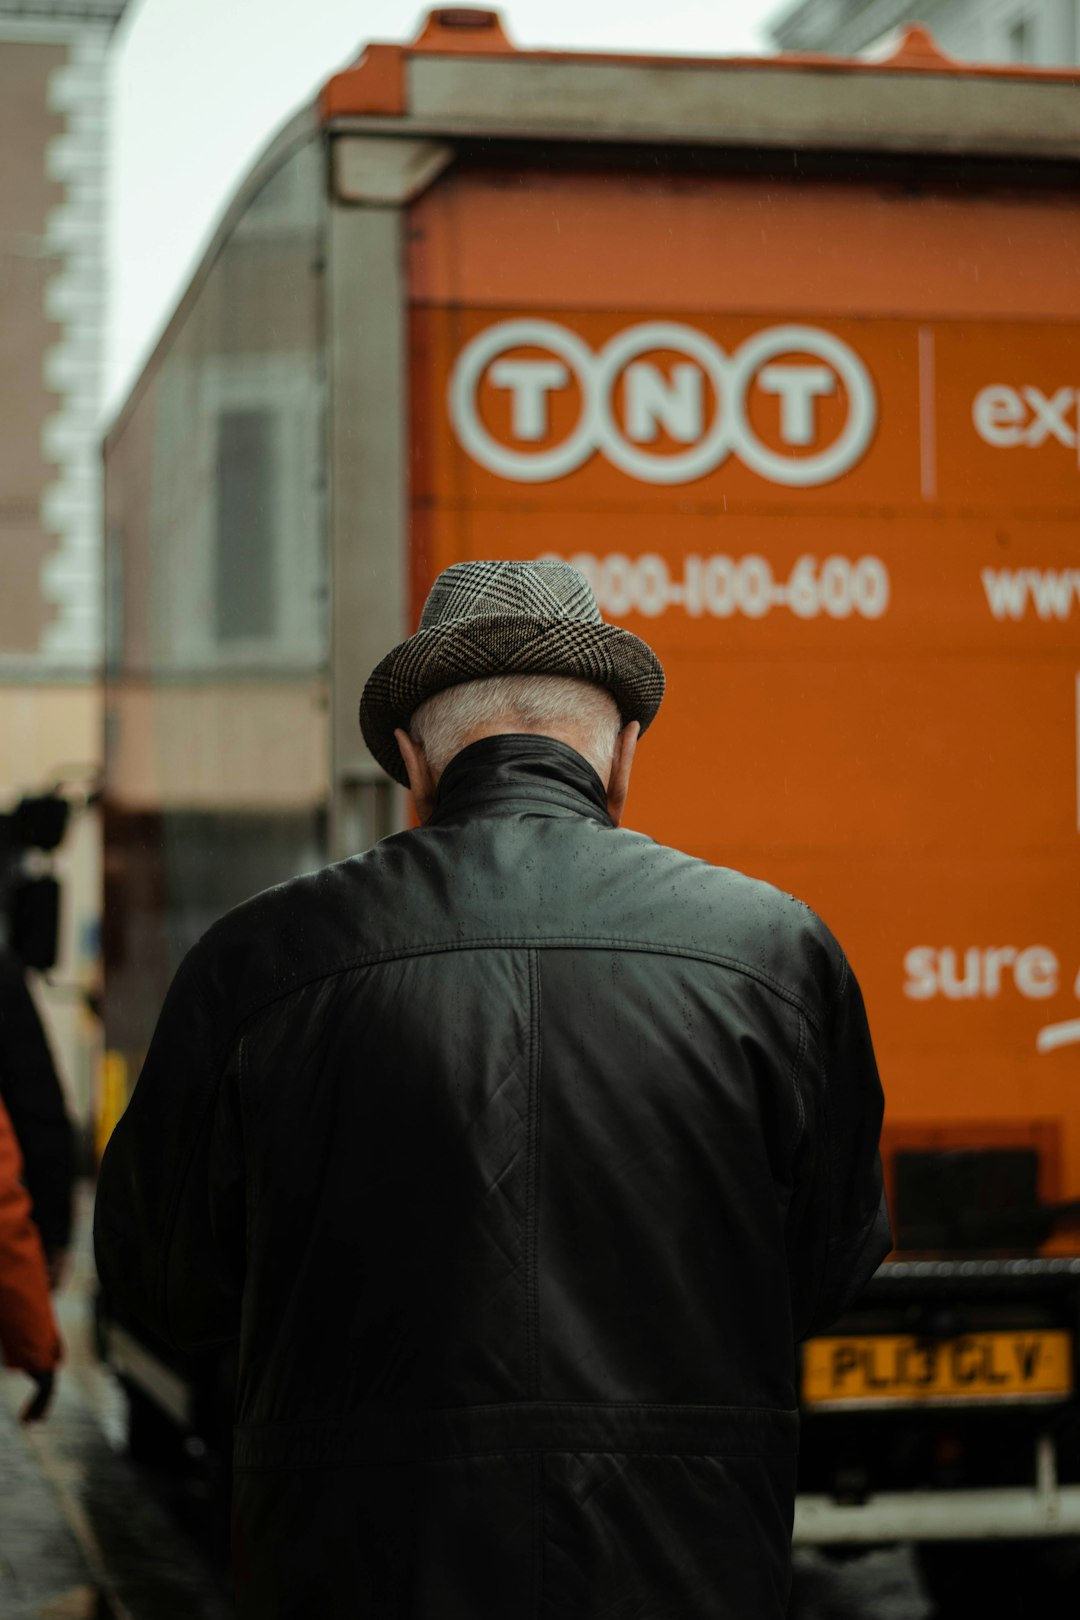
(818, 443)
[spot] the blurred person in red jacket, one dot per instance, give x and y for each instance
(31, 1091)
(29, 1336)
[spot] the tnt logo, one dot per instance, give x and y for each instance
(1006, 416)
(531, 401)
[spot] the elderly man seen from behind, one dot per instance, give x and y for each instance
(519, 1152)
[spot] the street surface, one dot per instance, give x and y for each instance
(84, 1532)
(878, 1585)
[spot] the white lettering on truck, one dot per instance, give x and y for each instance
(980, 972)
(652, 401)
(1005, 416)
(720, 586)
(1051, 592)
(799, 365)
(529, 382)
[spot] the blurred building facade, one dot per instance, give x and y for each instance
(1035, 32)
(53, 125)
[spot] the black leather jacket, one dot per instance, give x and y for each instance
(519, 1151)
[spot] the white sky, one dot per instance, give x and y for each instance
(200, 85)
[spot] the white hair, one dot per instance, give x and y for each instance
(442, 725)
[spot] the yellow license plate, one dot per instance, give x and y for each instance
(873, 1370)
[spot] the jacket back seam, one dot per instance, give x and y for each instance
(796, 1072)
(540, 1533)
(707, 1408)
(249, 1160)
(532, 1280)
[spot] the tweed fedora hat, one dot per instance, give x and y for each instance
(506, 618)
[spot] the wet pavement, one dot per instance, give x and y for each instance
(881, 1584)
(43, 1570)
(85, 1534)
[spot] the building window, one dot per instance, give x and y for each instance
(1022, 40)
(246, 561)
(1070, 26)
(115, 638)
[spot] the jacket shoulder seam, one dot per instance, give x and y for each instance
(554, 942)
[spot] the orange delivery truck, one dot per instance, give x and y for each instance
(784, 354)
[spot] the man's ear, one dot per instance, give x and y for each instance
(622, 760)
(422, 780)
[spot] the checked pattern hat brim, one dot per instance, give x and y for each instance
(513, 643)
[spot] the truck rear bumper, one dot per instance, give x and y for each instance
(1025, 1512)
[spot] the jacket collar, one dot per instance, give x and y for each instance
(515, 768)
